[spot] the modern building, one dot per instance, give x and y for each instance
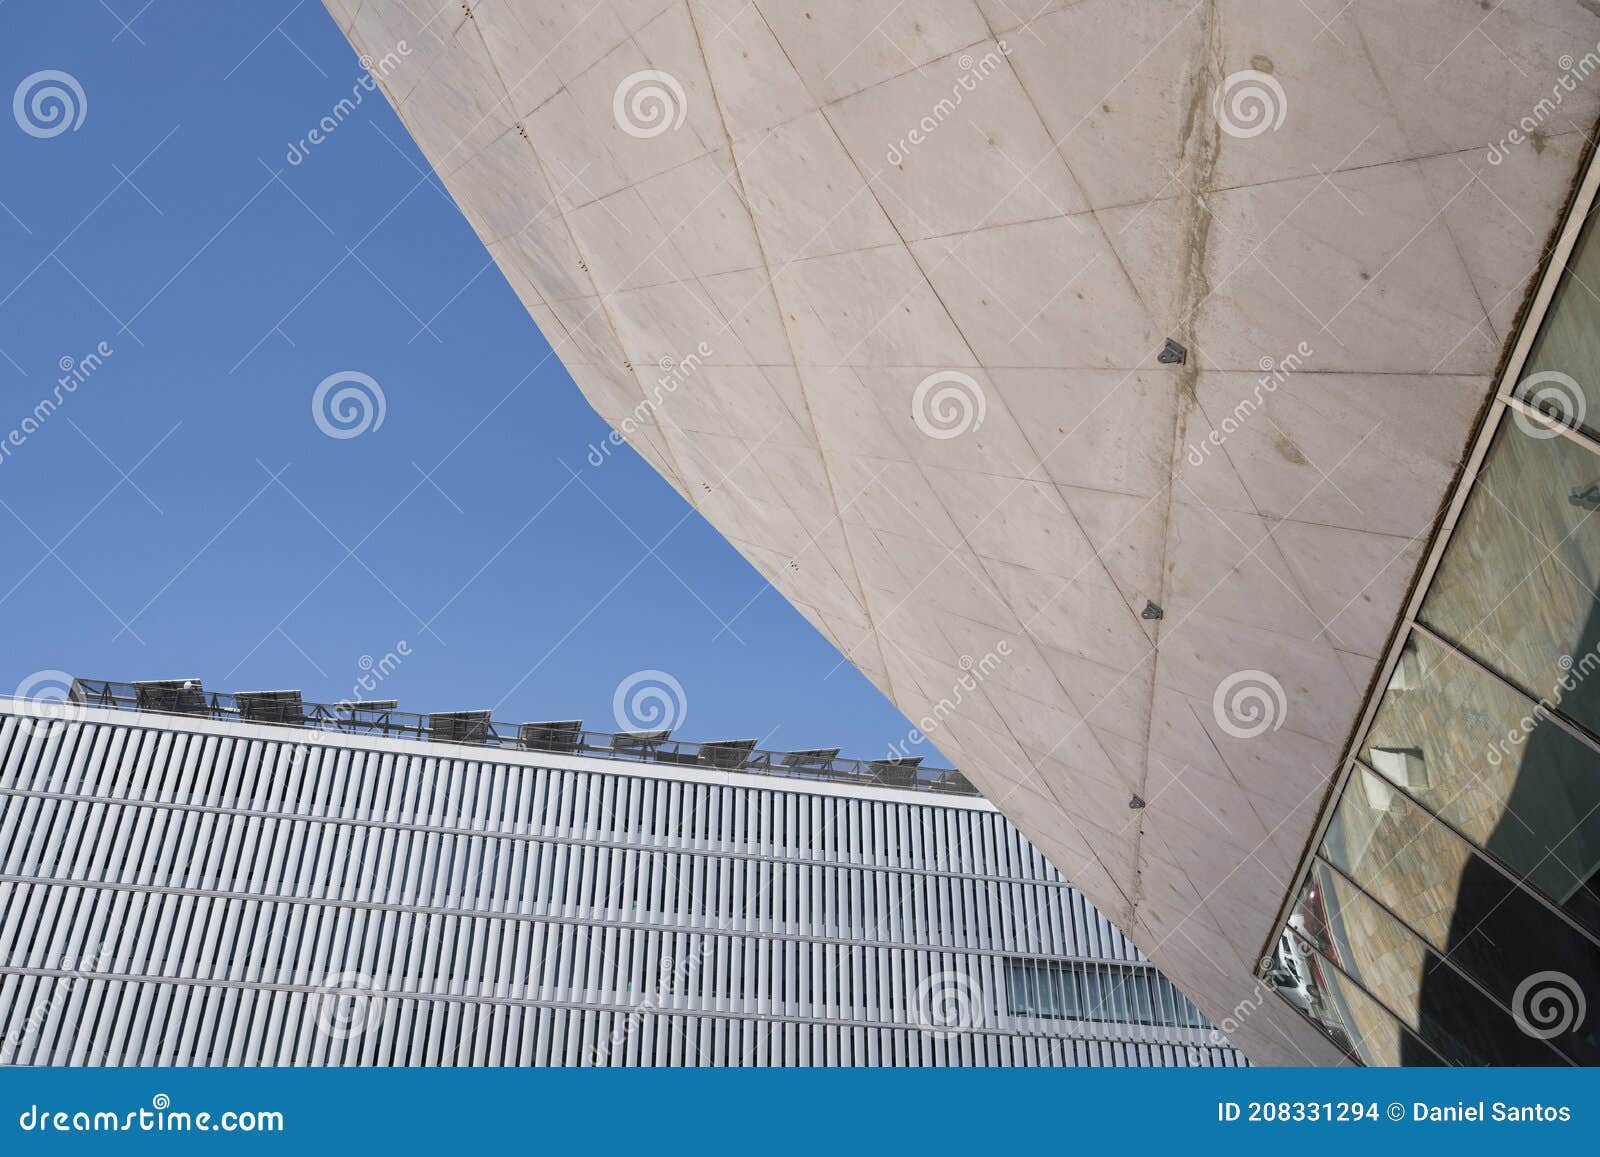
(1451, 911)
(1180, 347)
(189, 878)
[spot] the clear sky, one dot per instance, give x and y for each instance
(179, 513)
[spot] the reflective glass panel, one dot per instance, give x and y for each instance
(1462, 905)
(1561, 373)
(1351, 1019)
(1485, 758)
(1516, 587)
(1462, 1024)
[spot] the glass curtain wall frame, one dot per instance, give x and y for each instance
(1348, 1014)
(1452, 991)
(1568, 740)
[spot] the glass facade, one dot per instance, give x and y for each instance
(1450, 913)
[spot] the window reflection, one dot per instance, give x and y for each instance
(1350, 1018)
(1462, 906)
(1398, 853)
(1485, 758)
(1516, 588)
(1432, 999)
(1569, 342)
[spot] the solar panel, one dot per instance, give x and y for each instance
(371, 716)
(726, 754)
(270, 706)
(640, 741)
(563, 735)
(459, 726)
(815, 758)
(895, 772)
(179, 696)
(676, 755)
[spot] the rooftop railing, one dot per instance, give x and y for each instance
(477, 729)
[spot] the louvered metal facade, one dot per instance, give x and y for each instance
(185, 891)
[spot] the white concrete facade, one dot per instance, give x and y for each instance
(180, 890)
(881, 287)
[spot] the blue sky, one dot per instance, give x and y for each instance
(180, 513)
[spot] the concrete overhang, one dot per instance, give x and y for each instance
(886, 291)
